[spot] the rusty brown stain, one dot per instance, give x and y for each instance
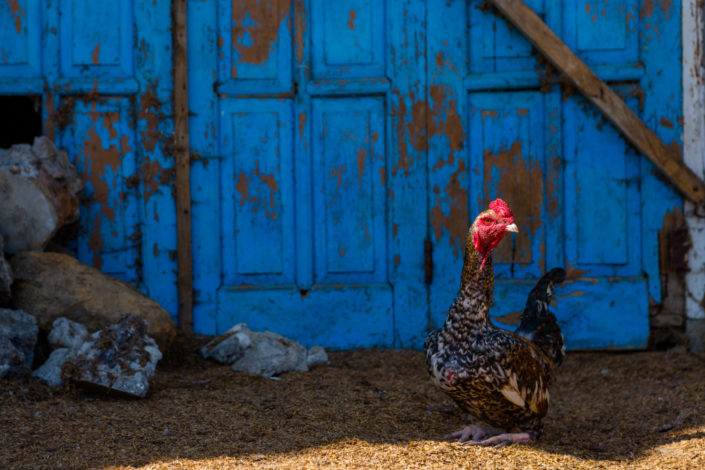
(397, 259)
(510, 318)
(301, 25)
(360, 156)
(553, 173)
(243, 187)
(96, 160)
(440, 60)
(269, 180)
(522, 112)
(351, 19)
(648, 6)
(342, 251)
(677, 149)
(666, 123)
(302, 123)
(263, 20)
(444, 118)
(383, 176)
(576, 293)
(151, 171)
(109, 121)
(456, 222)
(413, 131)
(150, 111)
(155, 250)
(337, 172)
(520, 184)
(375, 136)
(573, 273)
(17, 14)
(95, 243)
(395, 230)
(96, 54)
(485, 113)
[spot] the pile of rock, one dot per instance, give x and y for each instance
(264, 353)
(64, 298)
(120, 357)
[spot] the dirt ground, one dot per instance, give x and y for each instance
(367, 409)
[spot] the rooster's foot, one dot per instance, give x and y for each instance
(501, 440)
(474, 432)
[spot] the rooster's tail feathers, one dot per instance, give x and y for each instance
(540, 296)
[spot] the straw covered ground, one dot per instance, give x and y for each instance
(367, 409)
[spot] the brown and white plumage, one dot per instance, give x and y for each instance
(499, 377)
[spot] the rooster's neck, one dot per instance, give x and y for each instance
(470, 311)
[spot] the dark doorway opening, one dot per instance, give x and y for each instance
(20, 119)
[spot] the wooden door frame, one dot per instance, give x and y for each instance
(693, 30)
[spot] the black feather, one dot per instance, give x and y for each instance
(538, 324)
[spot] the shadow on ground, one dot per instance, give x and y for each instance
(605, 407)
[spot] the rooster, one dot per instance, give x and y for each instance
(500, 378)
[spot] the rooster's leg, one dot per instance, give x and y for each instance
(501, 440)
(474, 432)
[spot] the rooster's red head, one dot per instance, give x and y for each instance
(490, 226)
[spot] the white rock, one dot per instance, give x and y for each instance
(230, 346)
(67, 333)
(316, 355)
(50, 371)
(119, 357)
(271, 354)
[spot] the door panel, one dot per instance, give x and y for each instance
(302, 164)
(348, 197)
(257, 185)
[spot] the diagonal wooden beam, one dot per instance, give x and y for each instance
(612, 106)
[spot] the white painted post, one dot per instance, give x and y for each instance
(694, 157)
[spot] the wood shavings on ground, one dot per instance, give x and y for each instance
(367, 409)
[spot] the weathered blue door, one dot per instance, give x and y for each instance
(501, 125)
(332, 139)
(307, 218)
(336, 144)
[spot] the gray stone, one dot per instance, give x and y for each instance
(40, 194)
(695, 329)
(271, 354)
(53, 285)
(12, 360)
(67, 337)
(67, 333)
(120, 357)
(50, 371)
(230, 346)
(5, 276)
(316, 355)
(20, 328)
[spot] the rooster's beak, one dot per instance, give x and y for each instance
(511, 228)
